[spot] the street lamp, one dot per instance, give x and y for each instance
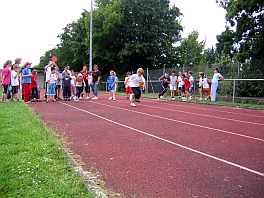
(91, 37)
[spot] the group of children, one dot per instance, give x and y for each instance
(185, 84)
(74, 88)
(14, 77)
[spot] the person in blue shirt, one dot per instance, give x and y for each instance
(26, 81)
(111, 85)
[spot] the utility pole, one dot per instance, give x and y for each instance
(91, 37)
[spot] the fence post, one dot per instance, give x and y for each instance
(146, 90)
(238, 69)
(106, 86)
(234, 91)
(206, 71)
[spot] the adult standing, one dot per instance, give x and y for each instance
(96, 78)
(6, 78)
(216, 78)
(26, 81)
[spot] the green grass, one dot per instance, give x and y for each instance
(33, 163)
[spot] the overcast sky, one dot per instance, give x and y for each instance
(30, 27)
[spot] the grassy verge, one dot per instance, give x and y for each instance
(33, 163)
(222, 103)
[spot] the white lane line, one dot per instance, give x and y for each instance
(170, 103)
(168, 141)
(198, 114)
(183, 122)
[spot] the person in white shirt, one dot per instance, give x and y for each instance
(73, 81)
(15, 82)
(173, 81)
(200, 85)
(137, 82)
(52, 78)
(191, 79)
(205, 85)
(216, 78)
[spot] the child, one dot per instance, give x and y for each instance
(15, 82)
(191, 79)
(73, 79)
(66, 86)
(79, 86)
(85, 74)
(173, 80)
(26, 80)
(51, 86)
(200, 85)
(127, 85)
(58, 83)
(216, 78)
(187, 87)
(111, 84)
(179, 82)
(34, 85)
(6, 79)
(165, 83)
(205, 85)
(135, 79)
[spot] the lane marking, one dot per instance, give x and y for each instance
(168, 141)
(205, 115)
(170, 103)
(183, 122)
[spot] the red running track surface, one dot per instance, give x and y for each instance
(165, 148)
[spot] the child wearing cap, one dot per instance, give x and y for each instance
(26, 81)
(66, 86)
(79, 86)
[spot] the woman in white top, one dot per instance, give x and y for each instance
(73, 81)
(217, 77)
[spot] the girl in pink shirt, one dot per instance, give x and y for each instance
(6, 78)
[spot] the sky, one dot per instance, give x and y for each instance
(29, 28)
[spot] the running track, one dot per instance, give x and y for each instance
(165, 148)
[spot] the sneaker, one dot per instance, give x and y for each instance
(87, 98)
(47, 101)
(137, 100)
(173, 98)
(200, 98)
(69, 99)
(185, 100)
(94, 98)
(114, 99)
(80, 98)
(110, 98)
(76, 100)
(161, 96)
(133, 104)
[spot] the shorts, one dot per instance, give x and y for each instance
(72, 85)
(137, 92)
(14, 89)
(128, 90)
(5, 89)
(111, 88)
(58, 86)
(51, 89)
(181, 89)
(191, 89)
(187, 89)
(172, 87)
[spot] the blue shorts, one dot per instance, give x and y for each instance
(191, 89)
(50, 89)
(111, 88)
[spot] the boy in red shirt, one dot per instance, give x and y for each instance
(34, 85)
(187, 87)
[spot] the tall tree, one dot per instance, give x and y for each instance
(190, 51)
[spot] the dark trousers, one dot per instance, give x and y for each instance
(66, 92)
(164, 89)
(34, 93)
(79, 90)
(137, 92)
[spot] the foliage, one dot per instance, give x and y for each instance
(190, 51)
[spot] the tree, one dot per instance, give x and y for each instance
(247, 18)
(190, 51)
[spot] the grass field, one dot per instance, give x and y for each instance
(33, 163)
